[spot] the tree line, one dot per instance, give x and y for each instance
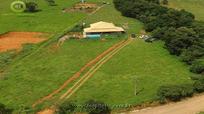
(182, 34)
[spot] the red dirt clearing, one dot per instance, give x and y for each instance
(14, 40)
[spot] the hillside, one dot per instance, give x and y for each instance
(140, 66)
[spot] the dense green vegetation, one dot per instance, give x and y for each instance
(96, 107)
(66, 107)
(175, 92)
(4, 109)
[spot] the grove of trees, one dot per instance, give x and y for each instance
(182, 34)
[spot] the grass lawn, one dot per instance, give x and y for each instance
(144, 65)
(193, 6)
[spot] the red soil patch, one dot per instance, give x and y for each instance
(14, 40)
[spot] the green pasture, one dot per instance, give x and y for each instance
(141, 67)
(193, 6)
(48, 19)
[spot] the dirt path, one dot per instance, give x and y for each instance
(91, 71)
(94, 64)
(189, 106)
(78, 74)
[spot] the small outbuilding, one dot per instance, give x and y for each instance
(96, 29)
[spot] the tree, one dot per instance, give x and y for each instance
(174, 92)
(96, 107)
(192, 53)
(66, 108)
(197, 66)
(179, 39)
(154, 1)
(51, 2)
(199, 85)
(165, 2)
(4, 110)
(31, 6)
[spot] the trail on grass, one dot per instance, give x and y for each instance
(91, 71)
(77, 74)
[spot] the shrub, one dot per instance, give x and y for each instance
(192, 53)
(165, 2)
(66, 108)
(96, 107)
(77, 28)
(51, 2)
(198, 66)
(31, 7)
(4, 109)
(199, 85)
(174, 92)
(6, 58)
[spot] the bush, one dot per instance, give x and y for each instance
(96, 107)
(165, 2)
(66, 108)
(51, 2)
(31, 7)
(6, 58)
(4, 110)
(199, 85)
(197, 66)
(174, 92)
(192, 53)
(77, 28)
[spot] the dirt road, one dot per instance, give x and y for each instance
(189, 106)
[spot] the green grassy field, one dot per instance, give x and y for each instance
(35, 76)
(193, 6)
(49, 19)
(144, 65)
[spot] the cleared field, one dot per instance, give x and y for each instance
(138, 67)
(15, 40)
(193, 6)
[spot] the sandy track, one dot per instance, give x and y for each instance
(14, 40)
(189, 106)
